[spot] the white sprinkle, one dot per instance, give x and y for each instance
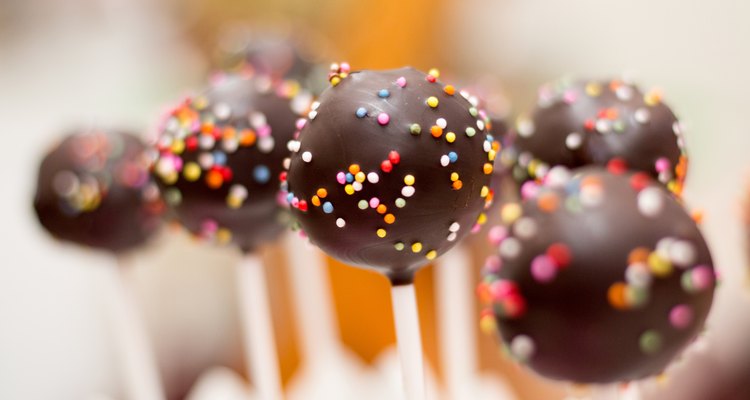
(480, 124)
(452, 237)
(265, 144)
(407, 191)
(230, 145)
(293, 145)
(222, 111)
(522, 347)
(206, 142)
(314, 106)
(591, 195)
(525, 228)
(206, 160)
(444, 160)
(624, 92)
(307, 156)
(650, 201)
(525, 127)
(238, 191)
(66, 183)
(441, 123)
(257, 119)
(682, 253)
(638, 275)
(373, 177)
(357, 186)
(454, 227)
(603, 126)
(286, 163)
(312, 114)
(510, 248)
(340, 222)
(557, 177)
(642, 115)
(573, 141)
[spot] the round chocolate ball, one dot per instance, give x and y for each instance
(600, 277)
(390, 170)
(219, 158)
(94, 189)
(576, 123)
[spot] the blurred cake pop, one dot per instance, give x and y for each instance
(279, 54)
(576, 123)
(94, 189)
(220, 155)
(601, 277)
(390, 170)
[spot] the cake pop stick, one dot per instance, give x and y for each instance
(218, 158)
(257, 325)
(390, 169)
(94, 190)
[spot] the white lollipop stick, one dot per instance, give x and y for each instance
(456, 317)
(260, 344)
(134, 352)
(319, 336)
(406, 318)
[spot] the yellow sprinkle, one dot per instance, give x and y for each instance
(487, 168)
(381, 233)
(659, 266)
(434, 72)
(335, 80)
(322, 193)
(487, 325)
(431, 255)
(389, 218)
(170, 178)
(316, 201)
(416, 247)
(178, 146)
(349, 189)
(234, 202)
(454, 176)
(593, 89)
(510, 212)
(485, 191)
(223, 235)
(360, 177)
(432, 101)
(450, 137)
(191, 172)
(491, 155)
(409, 180)
(653, 97)
(482, 218)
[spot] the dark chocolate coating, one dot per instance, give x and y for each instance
(592, 122)
(610, 313)
(220, 155)
(434, 214)
(94, 189)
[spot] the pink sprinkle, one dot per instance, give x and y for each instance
(301, 123)
(662, 164)
(344, 67)
(383, 118)
(264, 131)
(570, 97)
(681, 316)
(493, 264)
(501, 289)
(401, 82)
(341, 178)
(374, 202)
(529, 190)
(497, 234)
(475, 228)
(703, 278)
(209, 226)
(543, 269)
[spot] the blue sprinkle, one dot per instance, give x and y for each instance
(327, 207)
(349, 177)
(453, 156)
(384, 93)
(361, 112)
(262, 174)
(289, 197)
(220, 158)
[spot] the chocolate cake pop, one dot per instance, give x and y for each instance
(219, 158)
(94, 189)
(602, 277)
(576, 123)
(390, 170)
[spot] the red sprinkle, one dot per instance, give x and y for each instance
(302, 206)
(589, 125)
(639, 181)
(394, 157)
(617, 166)
(386, 166)
(560, 254)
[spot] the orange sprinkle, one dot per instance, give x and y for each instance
(697, 216)
(229, 132)
(457, 184)
(638, 255)
(487, 168)
(353, 169)
(548, 202)
(247, 138)
(389, 218)
(214, 180)
(316, 201)
(322, 193)
(381, 209)
(449, 90)
(436, 131)
(616, 296)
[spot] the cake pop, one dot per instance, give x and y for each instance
(576, 123)
(219, 158)
(390, 170)
(601, 277)
(94, 189)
